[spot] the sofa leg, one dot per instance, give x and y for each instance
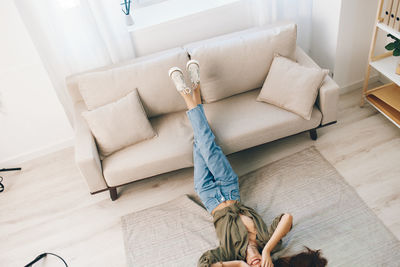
(313, 134)
(113, 193)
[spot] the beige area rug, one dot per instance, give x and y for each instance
(328, 214)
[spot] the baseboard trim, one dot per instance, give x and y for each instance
(357, 85)
(21, 158)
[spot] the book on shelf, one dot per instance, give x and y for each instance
(397, 18)
(393, 14)
(387, 12)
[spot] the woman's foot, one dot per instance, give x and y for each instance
(177, 77)
(193, 67)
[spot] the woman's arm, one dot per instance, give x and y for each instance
(230, 264)
(284, 226)
(216, 256)
(281, 230)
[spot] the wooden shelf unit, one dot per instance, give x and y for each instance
(385, 98)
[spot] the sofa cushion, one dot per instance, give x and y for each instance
(149, 74)
(171, 150)
(240, 62)
(119, 124)
(263, 122)
(292, 86)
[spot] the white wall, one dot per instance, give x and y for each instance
(325, 28)
(354, 39)
(32, 121)
(341, 38)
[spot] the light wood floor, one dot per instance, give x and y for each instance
(47, 207)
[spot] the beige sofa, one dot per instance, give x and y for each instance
(233, 69)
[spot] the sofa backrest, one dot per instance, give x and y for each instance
(229, 64)
(240, 62)
(148, 74)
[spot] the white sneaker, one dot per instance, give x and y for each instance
(176, 75)
(193, 67)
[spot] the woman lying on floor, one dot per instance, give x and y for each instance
(245, 239)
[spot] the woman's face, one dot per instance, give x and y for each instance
(253, 257)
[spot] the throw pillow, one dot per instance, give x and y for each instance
(291, 86)
(119, 124)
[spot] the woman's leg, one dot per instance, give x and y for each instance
(214, 179)
(212, 153)
(190, 102)
(203, 178)
(204, 183)
(196, 94)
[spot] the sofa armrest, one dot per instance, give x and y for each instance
(327, 100)
(86, 154)
(328, 96)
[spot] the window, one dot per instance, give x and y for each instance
(144, 3)
(67, 4)
(153, 12)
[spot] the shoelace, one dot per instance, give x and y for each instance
(187, 90)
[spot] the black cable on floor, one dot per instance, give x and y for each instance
(38, 258)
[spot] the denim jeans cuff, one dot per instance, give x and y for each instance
(199, 107)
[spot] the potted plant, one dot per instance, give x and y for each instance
(395, 46)
(127, 11)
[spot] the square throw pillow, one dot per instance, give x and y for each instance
(291, 86)
(119, 124)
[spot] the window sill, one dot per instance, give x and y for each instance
(171, 10)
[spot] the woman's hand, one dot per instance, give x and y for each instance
(284, 226)
(231, 264)
(266, 260)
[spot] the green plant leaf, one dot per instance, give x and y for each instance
(396, 52)
(391, 36)
(390, 46)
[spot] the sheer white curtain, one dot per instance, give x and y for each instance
(298, 11)
(76, 35)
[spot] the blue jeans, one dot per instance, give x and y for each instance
(214, 179)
